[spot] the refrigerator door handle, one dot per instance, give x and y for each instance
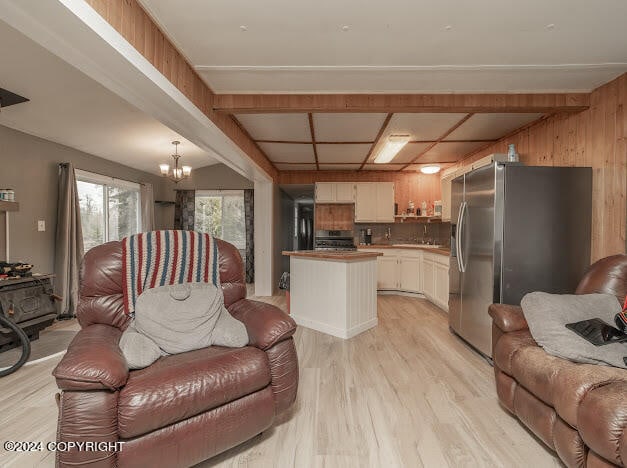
(460, 233)
(458, 237)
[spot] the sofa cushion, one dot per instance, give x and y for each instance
(573, 383)
(602, 419)
(180, 386)
(508, 345)
(537, 371)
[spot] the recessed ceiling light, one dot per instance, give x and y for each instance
(550, 26)
(243, 27)
(434, 169)
(345, 28)
(390, 148)
(448, 27)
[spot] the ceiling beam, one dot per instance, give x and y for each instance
(376, 139)
(444, 135)
(130, 20)
(453, 103)
(313, 139)
(290, 142)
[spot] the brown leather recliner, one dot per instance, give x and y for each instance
(578, 410)
(184, 408)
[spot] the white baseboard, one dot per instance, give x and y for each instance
(333, 331)
(362, 327)
(388, 292)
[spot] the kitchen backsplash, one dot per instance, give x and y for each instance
(407, 233)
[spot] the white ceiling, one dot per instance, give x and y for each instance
(286, 138)
(69, 108)
(399, 45)
(347, 127)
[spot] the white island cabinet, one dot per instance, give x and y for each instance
(334, 292)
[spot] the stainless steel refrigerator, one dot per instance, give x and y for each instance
(515, 229)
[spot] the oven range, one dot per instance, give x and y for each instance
(334, 240)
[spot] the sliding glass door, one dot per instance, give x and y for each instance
(221, 214)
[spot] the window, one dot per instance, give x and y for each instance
(221, 214)
(110, 208)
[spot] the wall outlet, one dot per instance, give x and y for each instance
(41, 225)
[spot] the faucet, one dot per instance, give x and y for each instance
(388, 233)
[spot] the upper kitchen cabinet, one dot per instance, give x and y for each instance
(344, 192)
(374, 202)
(447, 178)
(335, 192)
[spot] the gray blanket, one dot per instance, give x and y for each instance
(547, 315)
(179, 318)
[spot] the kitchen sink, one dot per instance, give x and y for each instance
(425, 246)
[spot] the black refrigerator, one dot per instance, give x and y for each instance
(515, 229)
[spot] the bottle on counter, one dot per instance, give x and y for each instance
(423, 208)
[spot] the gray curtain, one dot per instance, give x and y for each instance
(249, 220)
(69, 241)
(184, 210)
(147, 201)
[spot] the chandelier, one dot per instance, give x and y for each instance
(178, 173)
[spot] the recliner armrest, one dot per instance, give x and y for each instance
(93, 361)
(508, 318)
(266, 324)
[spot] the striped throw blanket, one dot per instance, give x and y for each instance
(160, 258)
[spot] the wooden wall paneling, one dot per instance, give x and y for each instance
(334, 216)
(595, 138)
(455, 103)
(135, 25)
(416, 187)
(413, 186)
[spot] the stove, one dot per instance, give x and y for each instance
(28, 302)
(334, 240)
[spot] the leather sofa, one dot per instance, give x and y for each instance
(184, 408)
(577, 410)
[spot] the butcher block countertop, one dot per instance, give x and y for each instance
(345, 256)
(436, 250)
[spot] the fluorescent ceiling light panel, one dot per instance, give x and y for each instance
(391, 148)
(430, 169)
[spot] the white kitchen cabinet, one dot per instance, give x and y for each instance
(387, 272)
(385, 202)
(365, 202)
(325, 192)
(428, 278)
(441, 285)
(435, 278)
(446, 198)
(345, 192)
(335, 192)
(409, 274)
(374, 202)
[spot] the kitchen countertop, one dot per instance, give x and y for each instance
(332, 255)
(436, 250)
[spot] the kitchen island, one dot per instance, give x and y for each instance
(334, 292)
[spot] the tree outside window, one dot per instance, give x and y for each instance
(120, 219)
(221, 214)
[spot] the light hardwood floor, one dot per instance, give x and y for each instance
(406, 393)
